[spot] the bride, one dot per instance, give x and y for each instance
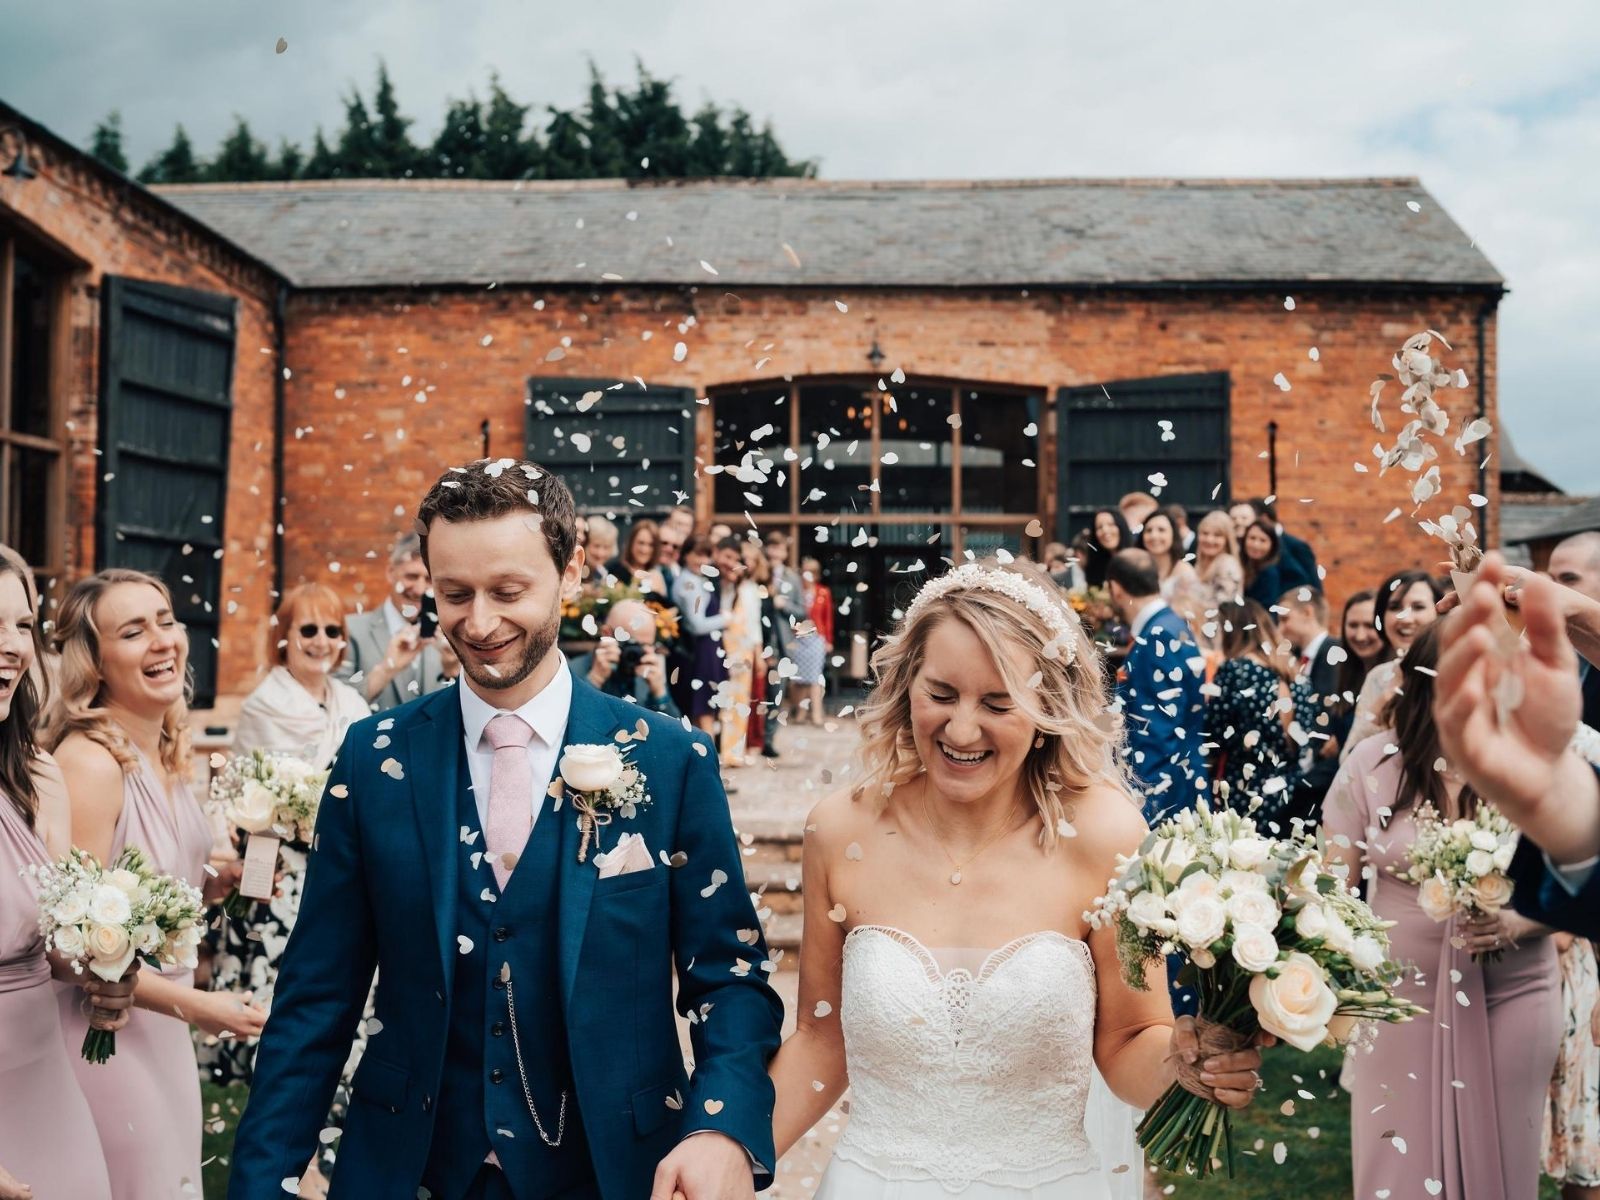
(947, 974)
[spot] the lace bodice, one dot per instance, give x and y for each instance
(956, 1076)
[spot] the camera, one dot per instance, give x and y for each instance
(428, 617)
(629, 655)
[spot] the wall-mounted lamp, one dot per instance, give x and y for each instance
(19, 167)
(875, 356)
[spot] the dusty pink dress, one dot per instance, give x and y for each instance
(146, 1099)
(47, 1134)
(1456, 1096)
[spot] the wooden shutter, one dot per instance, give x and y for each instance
(640, 442)
(166, 407)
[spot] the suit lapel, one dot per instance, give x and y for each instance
(588, 723)
(433, 767)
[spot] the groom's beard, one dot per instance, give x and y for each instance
(538, 643)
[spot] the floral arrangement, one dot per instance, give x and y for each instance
(1460, 866)
(1275, 942)
(270, 796)
(103, 918)
(583, 614)
(1093, 606)
(604, 786)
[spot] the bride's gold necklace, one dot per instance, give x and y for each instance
(961, 865)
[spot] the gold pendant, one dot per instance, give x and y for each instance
(955, 877)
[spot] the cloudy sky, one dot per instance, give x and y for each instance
(1495, 107)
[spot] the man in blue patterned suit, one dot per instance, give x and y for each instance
(525, 1045)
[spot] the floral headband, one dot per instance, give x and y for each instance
(1011, 585)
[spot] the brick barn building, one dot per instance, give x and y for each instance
(893, 372)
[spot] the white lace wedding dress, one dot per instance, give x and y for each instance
(973, 1073)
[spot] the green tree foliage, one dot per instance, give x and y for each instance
(634, 132)
(105, 143)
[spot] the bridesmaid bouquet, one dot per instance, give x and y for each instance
(1275, 942)
(102, 918)
(270, 797)
(1460, 866)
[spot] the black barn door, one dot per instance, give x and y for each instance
(166, 407)
(630, 451)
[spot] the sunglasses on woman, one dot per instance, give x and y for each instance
(334, 632)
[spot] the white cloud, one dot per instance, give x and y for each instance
(1497, 110)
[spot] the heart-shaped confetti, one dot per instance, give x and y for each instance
(852, 852)
(463, 943)
(392, 768)
(718, 878)
(822, 1009)
(837, 913)
(674, 1102)
(713, 1107)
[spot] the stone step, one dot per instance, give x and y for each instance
(783, 933)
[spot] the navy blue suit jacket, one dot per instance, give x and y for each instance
(1164, 709)
(1541, 897)
(380, 893)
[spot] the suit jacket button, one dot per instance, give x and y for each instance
(501, 934)
(497, 1030)
(427, 1104)
(496, 1075)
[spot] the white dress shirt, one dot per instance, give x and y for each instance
(1151, 607)
(1309, 655)
(546, 714)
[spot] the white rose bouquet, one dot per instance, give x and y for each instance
(273, 797)
(1275, 942)
(103, 918)
(1460, 866)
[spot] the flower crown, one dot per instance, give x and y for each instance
(1011, 585)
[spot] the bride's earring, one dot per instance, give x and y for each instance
(1038, 742)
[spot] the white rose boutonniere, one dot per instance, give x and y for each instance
(604, 787)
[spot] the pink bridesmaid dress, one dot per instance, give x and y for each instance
(1451, 1104)
(146, 1099)
(47, 1133)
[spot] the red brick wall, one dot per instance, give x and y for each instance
(361, 449)
(111, 228)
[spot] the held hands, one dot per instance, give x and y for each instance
(705, 1166)
(1229, 1078)
(219, 1013)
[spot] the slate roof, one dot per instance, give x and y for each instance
(1045, 233)
(1581, 516)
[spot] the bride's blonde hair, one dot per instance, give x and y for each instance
(1078, 737)
(80, 702)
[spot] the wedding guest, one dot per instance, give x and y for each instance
(1575, 564)
(1364, 647)
(120, 733)
(389, 655)
(48, 1143)
(689, 584)
(1179, 583)
(1263, 574)
(1063, 564)
(1179, 516)
(787, 611)
(1257, 703)
(1108, 533)
(627, 661)
(813, 644)
(1303, 622)
(719, 532)
(707, 610)
(1243, 515)
(1159, 688)
(1055, 558)
(1404, 606)
(1136, 508)
(1216, 560)
(744, 648)
(635, 566)
(600, 548)
(670, 540)
(1299, 560)
(680, 519)
(1464, 1088)
(1571, 1154)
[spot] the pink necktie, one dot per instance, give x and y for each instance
(510, 794)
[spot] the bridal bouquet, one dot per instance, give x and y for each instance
(1460, 866)
(103, 917)
(271, 797)
(1274, 939)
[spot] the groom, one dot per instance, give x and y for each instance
(524, 1043)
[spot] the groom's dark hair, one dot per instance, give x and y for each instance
(493, 487)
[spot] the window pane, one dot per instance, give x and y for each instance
(30, 350)
(30, 495)
(999, 454)
(917, 450)
(751, 435)
(835, 448)
(981, 541)
(873, 571)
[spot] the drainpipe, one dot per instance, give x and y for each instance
(1272, 459)
(279, 425)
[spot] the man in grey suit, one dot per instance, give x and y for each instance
(788, 606)
(387, 657)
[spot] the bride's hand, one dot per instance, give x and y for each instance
(1230, 1079)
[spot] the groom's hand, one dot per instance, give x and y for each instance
(705, 1166)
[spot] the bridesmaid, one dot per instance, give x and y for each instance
(48, 1145)
(119, 733)
(1456, 1097)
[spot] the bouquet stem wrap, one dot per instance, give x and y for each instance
(1185, 1132)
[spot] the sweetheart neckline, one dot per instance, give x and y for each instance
(993, 961)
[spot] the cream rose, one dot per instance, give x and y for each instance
(1149, 911)
(124, 881)
(110, 951)
(1311, 922)
(1504, 855)
(1243, 881)
(109, 906)
(1435, 898)
(1296, 1005)
(1483, 839)
(1492, 893)
(254, 809)
(1367, 953)
(69, 941)
(1198, 884)
(72, 908)
(1248, 853)
(591, 768)
(1201, 922)
(1253, 908)
(1338, 936)
(1254, 948)
(1480, 862)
